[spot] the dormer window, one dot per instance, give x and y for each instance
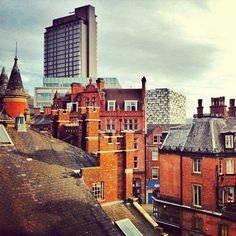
(111, 105)
(131, 105)
(229, 141)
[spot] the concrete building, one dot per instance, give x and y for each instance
(70, 45)
(197, 191)
(165, 106)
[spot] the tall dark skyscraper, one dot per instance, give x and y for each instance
(70, 45)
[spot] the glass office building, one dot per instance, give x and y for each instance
(70, 45)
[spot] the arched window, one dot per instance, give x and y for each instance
(87, 102)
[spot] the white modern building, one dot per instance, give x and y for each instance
(165, 106)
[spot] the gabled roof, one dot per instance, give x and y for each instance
(164, 127)
(204, 135)
(15, 85)
(39, 196)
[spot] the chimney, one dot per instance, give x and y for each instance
(218, 107)
(47, 110)
(232, 108)
(200, 109)
(36, 111)
(100, 83)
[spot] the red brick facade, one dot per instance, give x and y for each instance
(111, 111)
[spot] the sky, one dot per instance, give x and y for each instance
(185, 45)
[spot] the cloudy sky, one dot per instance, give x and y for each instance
(185, 45)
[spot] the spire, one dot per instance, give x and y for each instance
(15, 85)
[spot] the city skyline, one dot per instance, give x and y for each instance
(192, 53)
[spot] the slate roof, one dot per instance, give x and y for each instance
(38, 195)
(41, 119)
(15, 85)
(3, 82)
(120, 95)
(119, 211)
(203, 135)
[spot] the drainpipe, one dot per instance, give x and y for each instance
(181, 179)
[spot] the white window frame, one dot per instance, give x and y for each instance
(155, 173)
(229, 141)
(221, 196)
(110, 124)
(230, 194)
(197, 195)
(111, 105)
(196, 166)
(97, 190)
(230, 166)
(155, 156)
(155, 139)
(131, 105)
(135, 162)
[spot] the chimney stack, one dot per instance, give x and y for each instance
(232, 108)
(200, 109)
(100, 83)
(36, 111)
(218, 107)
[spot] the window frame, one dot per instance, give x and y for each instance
(109, 102)
(196, 165)
(98, 190)
(232, 199)
(157, 172)
(155, 151)
(229, 167)
(229, 141)
(223, 230)
(155, 139)
(128, 104)
(197, 195)
(221, 169)
(135, 162)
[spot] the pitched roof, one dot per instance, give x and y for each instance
(120, 95)
(15, 85)
(164, 127)
(41, 119)
(3, 82)
(38, 194)
(203, 135)
(118, 211)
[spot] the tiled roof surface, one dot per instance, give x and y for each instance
(119, 211)
(38, 196)
(203, 135)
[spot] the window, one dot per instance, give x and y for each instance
(94, 102)
(197, 223)
(98, 190)
(135, 143)
(155, 173)
(230, 166)
(130, 124)
(111, 105)
(155, 139)
(221, 167)
(229, 141)
(223, 230)
(155, 155)
(111, 124)
(197, 166)
(87, 102)
(230, 194)
(131, 105)
(221, 197)
(197, 195)
(135, 162)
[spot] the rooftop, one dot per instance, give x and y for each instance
(38, 194)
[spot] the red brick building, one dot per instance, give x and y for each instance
(113, 111)
(197, 174)
(156, 134)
